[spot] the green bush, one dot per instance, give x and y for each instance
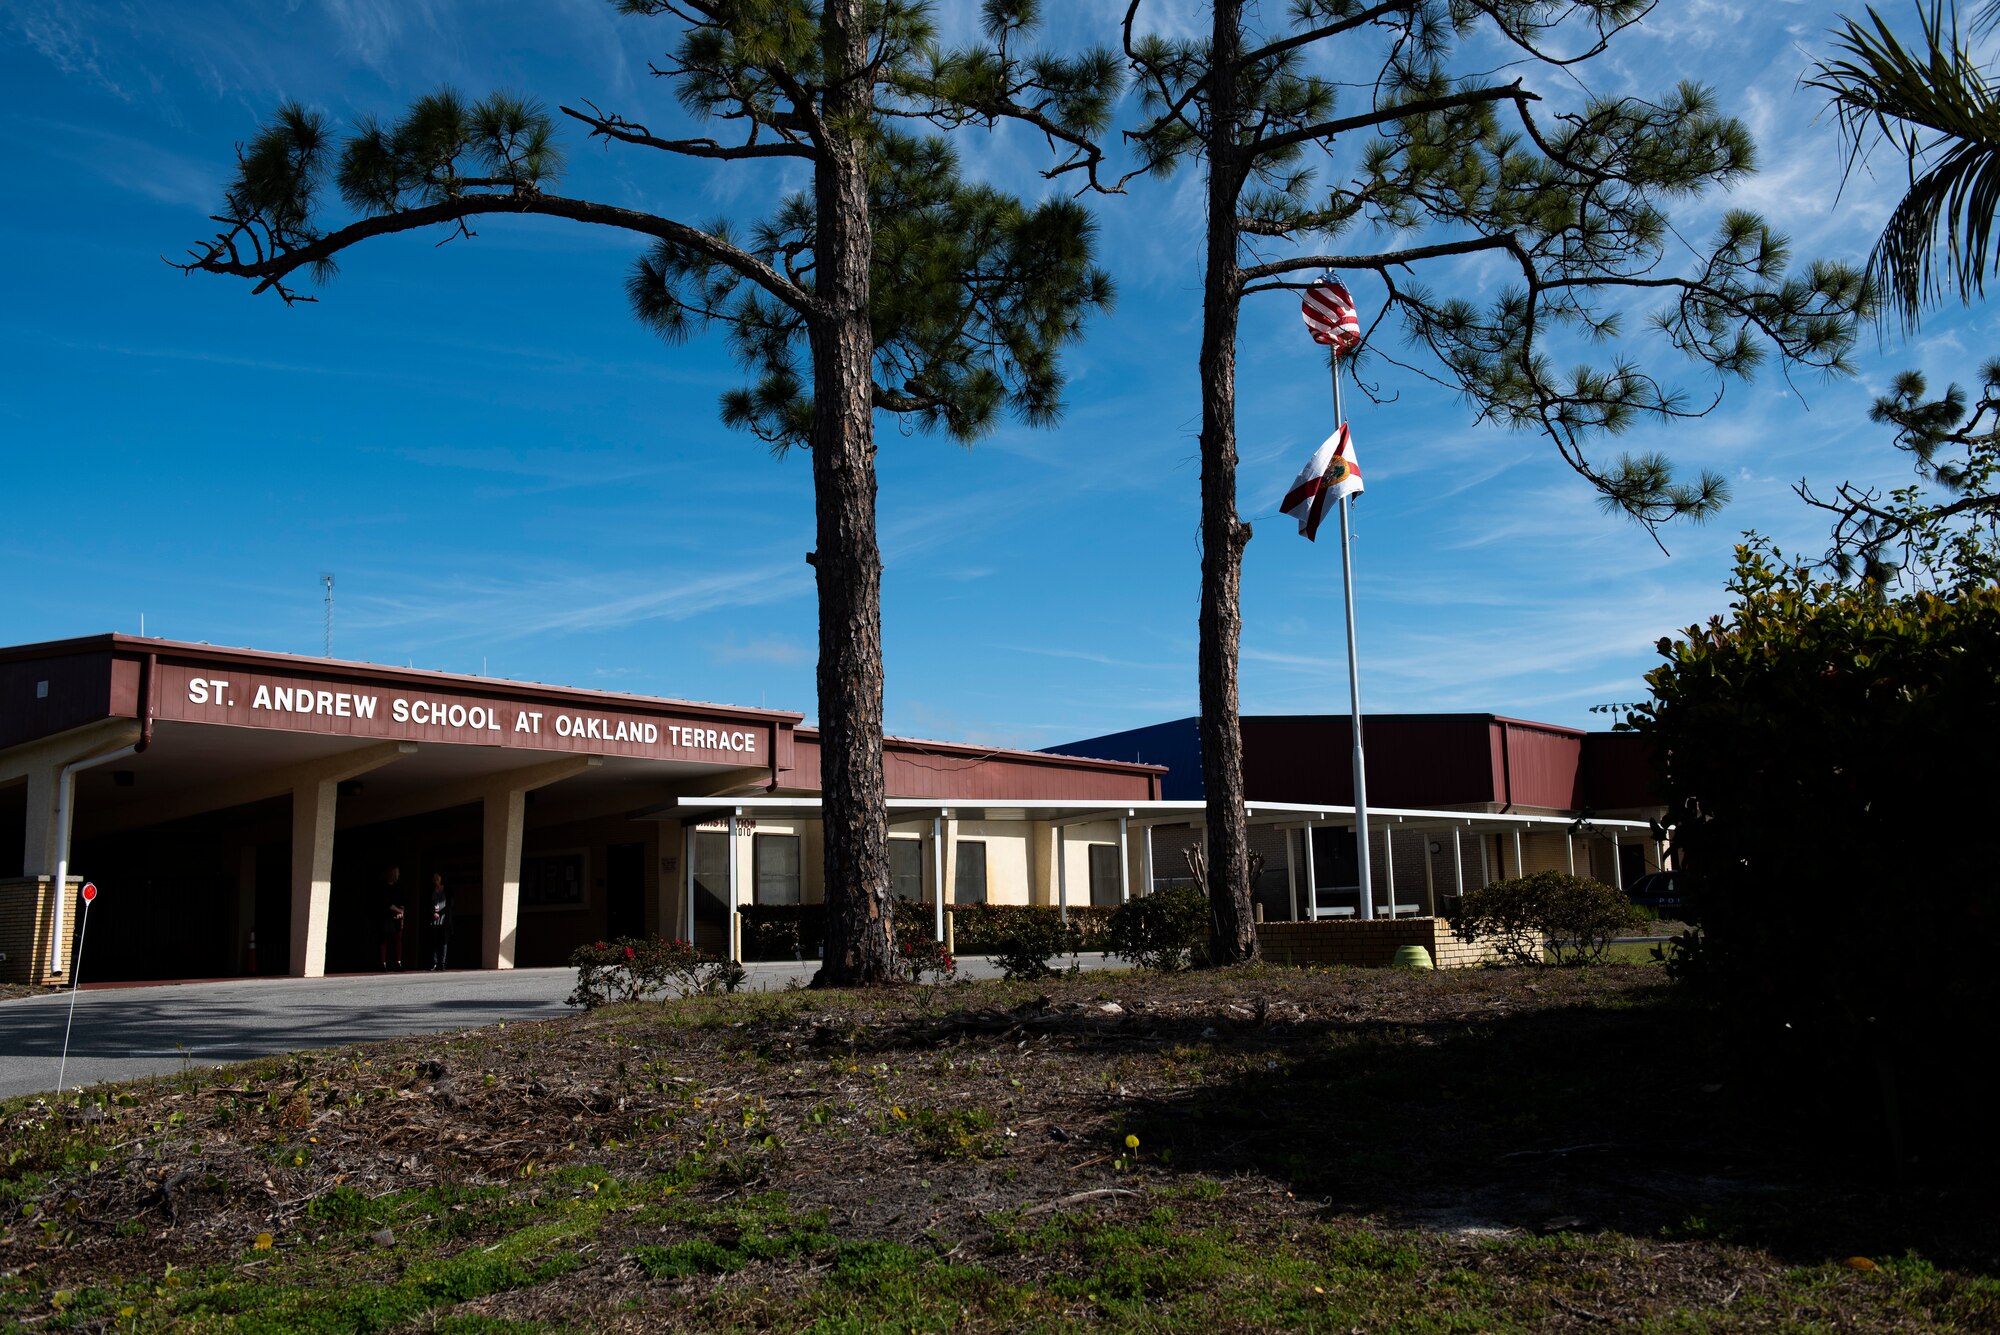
(1574, 917)
(987, 929)
(794, 931)
(1166, 930)
(782, 931)
(633, 968)
(1808, 745)
(1033, 941)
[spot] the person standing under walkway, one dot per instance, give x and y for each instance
(392, 919)
(440, 920)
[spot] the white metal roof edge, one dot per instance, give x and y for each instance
(1072, 812)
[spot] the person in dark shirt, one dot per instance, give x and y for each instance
(440, 920)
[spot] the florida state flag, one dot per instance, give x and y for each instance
(1330, 474)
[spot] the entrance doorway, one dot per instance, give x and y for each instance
(625, 890)
(711, 891)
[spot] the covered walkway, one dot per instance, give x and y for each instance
(1065, 853)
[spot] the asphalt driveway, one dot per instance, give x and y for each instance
(123, 1033)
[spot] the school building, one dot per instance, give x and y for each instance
(240, 811)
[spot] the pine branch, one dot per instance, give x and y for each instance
(628, 132)
(271, 267)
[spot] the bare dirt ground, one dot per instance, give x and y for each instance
(1271, 1149)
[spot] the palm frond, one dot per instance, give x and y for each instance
(1934, 106)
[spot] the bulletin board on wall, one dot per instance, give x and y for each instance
(555, 882)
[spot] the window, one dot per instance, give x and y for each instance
(970, 887)
(1103, 876)
(774, 861)
(554, 881)
(906, 868)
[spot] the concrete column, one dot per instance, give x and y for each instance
(1124, 859)
(503, 801)
(1389, 865)
(1312, 875)
(501, 815)
(313, 805)
(1291, 874)
(937, 873)
(1062, 875)
(315, 791)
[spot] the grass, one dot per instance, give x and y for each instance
(1366, 1151)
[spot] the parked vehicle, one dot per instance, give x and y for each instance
(1656, 890)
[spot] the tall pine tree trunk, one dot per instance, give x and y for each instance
(1232, 936)
(848, 563)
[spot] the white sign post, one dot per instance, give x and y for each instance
(89, 894)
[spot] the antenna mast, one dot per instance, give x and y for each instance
(326, 578)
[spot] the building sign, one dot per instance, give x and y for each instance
(303, 704)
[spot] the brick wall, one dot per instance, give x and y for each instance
(26, 905)
(1367, 944)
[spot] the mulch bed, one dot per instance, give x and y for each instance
(1452, 1109)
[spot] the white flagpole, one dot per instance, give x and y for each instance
(1354, 687)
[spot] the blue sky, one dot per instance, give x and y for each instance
(506, 473)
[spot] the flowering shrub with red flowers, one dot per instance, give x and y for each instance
(926, 955)
(634, 968)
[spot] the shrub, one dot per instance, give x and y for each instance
(1166, 930)
(1809, 745)
(635, 968)
(925, 954)
(986, 929)
(795, 931)
(782, 931)
(1032, 941)
(1575, 917)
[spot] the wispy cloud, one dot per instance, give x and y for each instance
(760, 649)
(494, 610)
(66, 35)
(1102, 660)
(122, 160)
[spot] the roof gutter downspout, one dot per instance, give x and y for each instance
(146, 675)
(65, 797)
(1507, 765)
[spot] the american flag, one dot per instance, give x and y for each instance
(1330, 316)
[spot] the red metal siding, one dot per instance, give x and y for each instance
(1413, 759)
(1544, 764)
(1618, 772)
(967, 774)
(80, 692)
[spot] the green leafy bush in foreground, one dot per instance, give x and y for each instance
(1032, 942)
(1572, 917)
(1813, 747)
(1166, 930)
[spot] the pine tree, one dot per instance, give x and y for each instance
(1443, 163)
(891, 284)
